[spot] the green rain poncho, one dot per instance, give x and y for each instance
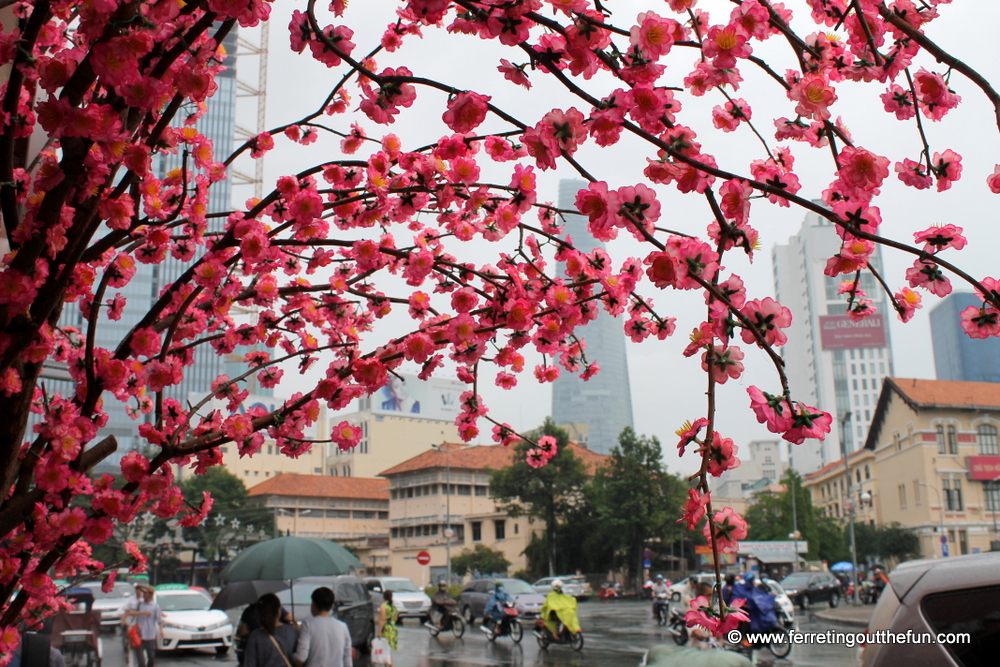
(562, 606)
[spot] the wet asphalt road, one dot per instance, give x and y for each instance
(617, 633)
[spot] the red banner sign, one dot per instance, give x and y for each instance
(984, 468)
(840, 332)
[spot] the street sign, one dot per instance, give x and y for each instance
(647, 563)
(944, 550)
(647, 555)
(944, 539)
(423, 558)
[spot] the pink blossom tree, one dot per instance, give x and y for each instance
(384, 225)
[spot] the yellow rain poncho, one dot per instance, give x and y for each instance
(563, 607)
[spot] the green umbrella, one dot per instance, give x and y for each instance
(285, 558)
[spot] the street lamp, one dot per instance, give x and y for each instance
(941, 510)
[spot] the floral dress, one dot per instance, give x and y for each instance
(389, 632)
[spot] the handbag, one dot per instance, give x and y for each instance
(278, 647)
(134, 637)
(381, 653)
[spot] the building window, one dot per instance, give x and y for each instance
(395, 533)
(383, 515)
(464, 490)
(902, 495)
(940, 440)
(952, 487)
(500, 526)
(963, 542)
(857, 474)
(916, 492)
(868, 472)
(516, 527)
(477, 531)
(986, 437)
(991, 492)
(952, 441)
(364, 514)
(482, 490)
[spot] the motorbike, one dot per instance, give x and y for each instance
(660, 606)
(678, 626)
(508, 625)
(564, 637)
(450, 621)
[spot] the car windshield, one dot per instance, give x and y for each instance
(775, 588)
(183, 602)
(401, 586)
(795, 581)
(120, 590)
(575, 580)
(517, 587)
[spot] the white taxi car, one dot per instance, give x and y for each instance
(188, 622)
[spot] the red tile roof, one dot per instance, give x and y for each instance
(480, 457)
(930, 394)
(322, 486)
(833, 466)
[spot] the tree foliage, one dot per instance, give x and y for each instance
(550, 493)
(886, 542)
(637, 500)
(480, 561)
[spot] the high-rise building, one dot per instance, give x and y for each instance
(956, 356)
(597, 410)
(832, 362)
(219, 125)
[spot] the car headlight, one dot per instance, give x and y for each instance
(179, 626)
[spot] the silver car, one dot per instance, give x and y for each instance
(573, 585)
(409, 601)
(954, 600)
(110, 604)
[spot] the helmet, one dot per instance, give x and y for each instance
(557, 584)
(659, 577)
(442, 584)
(499, 586)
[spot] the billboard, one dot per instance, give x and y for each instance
(840, 332)
(409, 396)
(984, 468)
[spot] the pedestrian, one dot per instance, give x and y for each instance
(149, 619)
(273, 642)
(387, 623)
(324, 641)
(250, 621)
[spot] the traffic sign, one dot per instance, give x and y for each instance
(647, 564)
(647, 554)
(944, 539)
(423, 558)
(944, 550)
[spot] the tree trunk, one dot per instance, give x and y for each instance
(551, 529)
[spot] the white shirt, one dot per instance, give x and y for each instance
(324, 641)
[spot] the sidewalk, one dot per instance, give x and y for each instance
(847, 615)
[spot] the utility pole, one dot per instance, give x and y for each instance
(849, 504)
(795, 516)
(943, 537)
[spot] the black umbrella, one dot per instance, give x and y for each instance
(240, 593)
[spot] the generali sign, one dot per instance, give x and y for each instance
(840, 332)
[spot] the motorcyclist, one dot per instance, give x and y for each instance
(559, 609)
(495, 604)
(879, 580)
(442, 603)
(660, 588)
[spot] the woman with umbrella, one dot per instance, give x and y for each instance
(273, 643)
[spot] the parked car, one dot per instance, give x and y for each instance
(806, 588)
(573, 585)
(677, 589)
(110, 604)
(952, 595)
(409, 601)
(472, 601)
(353, 604)
(188, 621)
(781, 599)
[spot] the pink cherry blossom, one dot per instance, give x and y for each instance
(728, 528)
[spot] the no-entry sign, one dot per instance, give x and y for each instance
(423, 558)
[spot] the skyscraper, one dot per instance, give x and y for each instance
(596, 410)
(219, 125)
(956, 356)
(831, 362)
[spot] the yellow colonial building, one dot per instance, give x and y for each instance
(829, 488)
(352, 511)
(937, 461)
(447, 489)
